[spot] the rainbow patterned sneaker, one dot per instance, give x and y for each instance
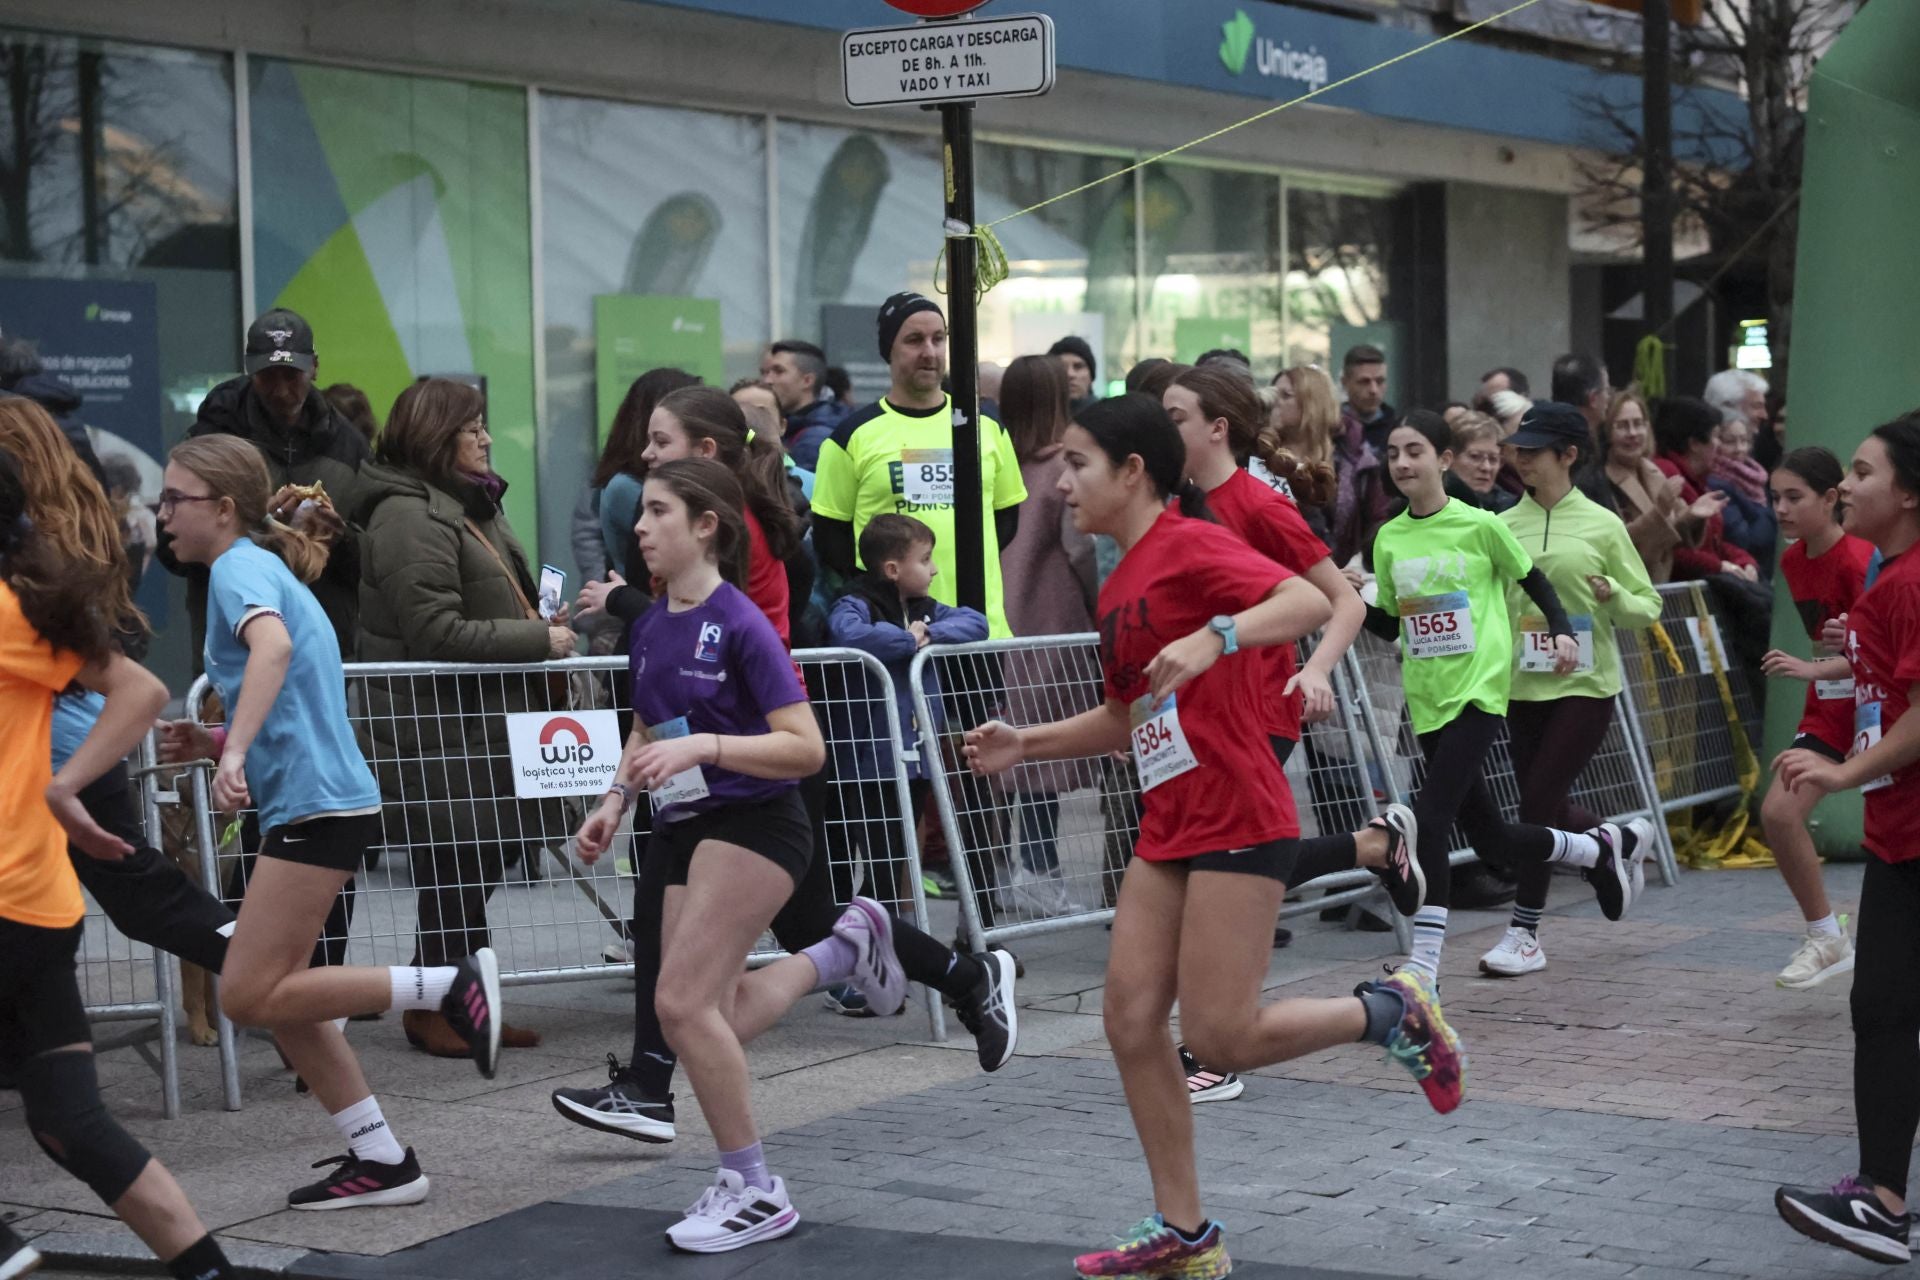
(1423, 1043)
(1154, 1251)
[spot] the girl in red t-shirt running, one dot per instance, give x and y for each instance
(1826, 570)
(1218, 840)
(1219, 419)
(1867, 1213)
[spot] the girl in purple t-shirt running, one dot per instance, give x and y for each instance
(721, 734)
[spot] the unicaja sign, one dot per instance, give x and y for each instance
(1281, 61)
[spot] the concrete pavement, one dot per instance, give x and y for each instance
(1629, 1112)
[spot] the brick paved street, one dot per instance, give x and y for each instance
(1629, 1113)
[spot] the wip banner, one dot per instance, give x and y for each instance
(563, 753)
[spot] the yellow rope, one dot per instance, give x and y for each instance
(1262, 115)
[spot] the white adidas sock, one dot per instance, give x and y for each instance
(415, 987)
(367, 1134)
(1576, 850)
(1825, 927)
(1429, 935)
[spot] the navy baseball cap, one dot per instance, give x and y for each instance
(1548, 424)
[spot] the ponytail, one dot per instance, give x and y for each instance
(1225, 393)
(233, 469)
(1193, 501)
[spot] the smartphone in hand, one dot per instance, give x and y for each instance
(553, 587)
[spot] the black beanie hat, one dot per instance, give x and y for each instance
(1075, 345)
(893, 314)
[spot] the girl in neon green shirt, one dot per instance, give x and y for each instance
(1443, 570)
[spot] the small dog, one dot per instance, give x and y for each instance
(178, 844)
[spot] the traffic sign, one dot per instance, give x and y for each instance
(948, 61)
(936, 8)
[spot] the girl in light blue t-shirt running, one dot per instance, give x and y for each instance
(288, 751)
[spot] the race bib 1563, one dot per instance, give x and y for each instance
(1437, 626)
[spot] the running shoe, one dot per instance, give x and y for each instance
(989, 1011)
(472, 1006)
(1517, 952)
(876, 969)
(619, 1106)
(935, 882)
(358, 1184)
(1155, 1251)
(17, 1257)
(1208, 1086)
(1402, 877)
(1849, 1215)
(1640, 839)
(1821, 956)
(1612, 876)
(847, 1002)
(1423, 1043)
(732, 1215)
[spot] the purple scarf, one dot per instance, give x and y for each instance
(1744, 476)
(490, 484)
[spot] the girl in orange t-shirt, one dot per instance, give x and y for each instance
(62, 573)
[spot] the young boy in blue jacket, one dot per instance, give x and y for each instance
(887, 612)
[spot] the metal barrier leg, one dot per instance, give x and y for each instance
(163, 970)
(203, 835)
(1643, 770)
(1354, 682)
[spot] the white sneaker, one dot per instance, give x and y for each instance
(731, 1215)
(1034, 895)
(1820, 957)
(1517, 952)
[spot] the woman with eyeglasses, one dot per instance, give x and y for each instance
(1474, 476)
(444, 580)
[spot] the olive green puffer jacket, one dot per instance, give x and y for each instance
(430, 591)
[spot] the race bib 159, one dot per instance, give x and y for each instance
(1536, 643)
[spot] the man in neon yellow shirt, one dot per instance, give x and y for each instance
(896, 457)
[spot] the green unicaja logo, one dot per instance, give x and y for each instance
(1238, 41)
(93, 311)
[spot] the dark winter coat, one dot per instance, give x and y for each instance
(432, 591)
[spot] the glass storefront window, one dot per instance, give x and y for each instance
(1339, 245)
(392, 212)
(119, 259)
(861, 219)
(1212, 241)
(646, 201)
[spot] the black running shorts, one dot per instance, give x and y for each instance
(776, 829)
(338, 844)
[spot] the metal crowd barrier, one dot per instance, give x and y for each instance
(1685, 724)
(464, 863)
(1044, 847)
(1019, 875)
(126, 981)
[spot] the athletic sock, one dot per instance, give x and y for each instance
(367, 1134)
(653, 1072)
(1528, 918)
(1429, 935)
(1385, 1008)
(833, 958)
(751, 1164)
(1193, 1236)
(415, 987)
(204, 1259)
(963, 974)
(1825, 927)
(1576, 850)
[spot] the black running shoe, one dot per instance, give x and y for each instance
(357, 1184)
(473, 1007)
(1850, 1215)
(17, 1257)
(619, 1106)
(1401, 876)
(1204, 1084)
(989, 1010)
(1612, 876)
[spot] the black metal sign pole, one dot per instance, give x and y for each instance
(963, 347)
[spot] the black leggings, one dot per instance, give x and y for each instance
(1886, 1021)
(147, 897)
(1552, 742)
(1455, 790)
(807, 917)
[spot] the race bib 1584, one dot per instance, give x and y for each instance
(1159, 743)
